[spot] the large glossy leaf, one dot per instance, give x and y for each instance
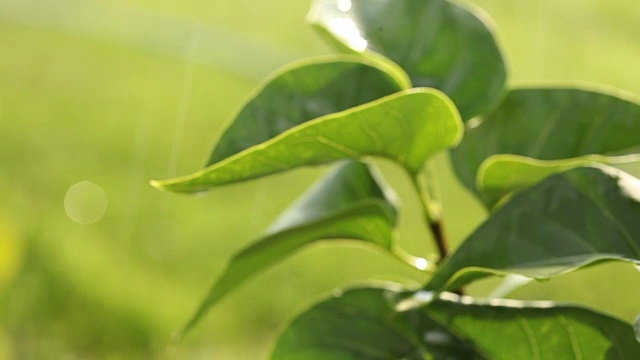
(303, 91)
(364, 323)
(440, 44)
(407, 127)
(551, 124)
(349, 203)
(567, 221)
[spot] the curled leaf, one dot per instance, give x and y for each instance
(568, 126)
(568, 221)
(407, 127)
(303, 91)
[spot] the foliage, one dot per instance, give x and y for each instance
(536, 157)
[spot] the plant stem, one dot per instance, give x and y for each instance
(424, 183)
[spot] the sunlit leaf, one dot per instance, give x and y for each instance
(407, 127)
(440, 44)
(501, 175)
(549, 124)
(303, 91)
(567, 221)
(349, 203)
(364, 323)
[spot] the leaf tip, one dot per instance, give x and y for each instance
(158, 184)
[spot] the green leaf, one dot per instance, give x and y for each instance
(510, 329)
(306, 90)
(407, 127)
(440, 44)
(568, 221)
(501, 175)
(349, 203)
(637, 327)
(550, 124)
(364, 323)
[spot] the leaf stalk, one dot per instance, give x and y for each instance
(425, 184)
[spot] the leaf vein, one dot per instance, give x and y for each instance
(543, 136)
(572, 337)
(533, 342)
(375, 137)
(340, 147)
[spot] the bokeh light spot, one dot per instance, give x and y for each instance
(85, 202)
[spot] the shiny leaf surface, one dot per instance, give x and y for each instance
(568, 221)
(363, 323)
(407, 127)
(551, 124)
(348, 203)
(440, 44)
(303, 91)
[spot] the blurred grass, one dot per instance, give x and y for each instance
(118, 93)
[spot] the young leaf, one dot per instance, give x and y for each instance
(363, 323)
(568, 221)
(552, 124)
(407, 127)
(303, 91)
(440, 44)
(349, 203)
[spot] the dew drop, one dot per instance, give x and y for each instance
(85, 202)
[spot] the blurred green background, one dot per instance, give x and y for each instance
(119, 92)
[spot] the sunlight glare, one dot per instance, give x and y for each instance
(344, 5)
(349, 32)
(422, 263)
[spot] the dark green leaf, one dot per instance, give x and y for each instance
(407, 127)
(439, 43)
(364, 323)
(349, 203)
(307, 90)
(568, 221)
(551, 124)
